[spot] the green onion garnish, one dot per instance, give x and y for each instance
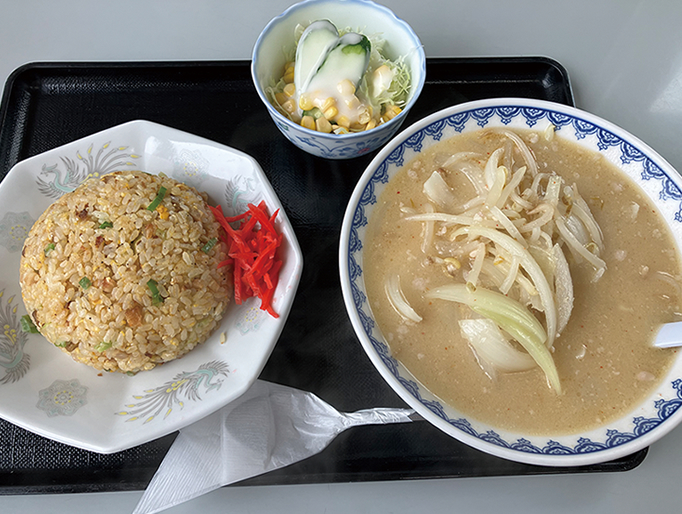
(27, 324)
(106, 224)
(209, 245)
(104, 345)
(61, 344)
(49, 248)
(85, 282)
(156, 296)
(159, 197)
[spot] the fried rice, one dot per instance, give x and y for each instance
(121, 283)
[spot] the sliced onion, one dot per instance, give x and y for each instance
(512, 274)
(494, 272)
(398, 301)
(460, 156)
(508, 158)
(527, 263)
(438, 191)
(510, 316)
(490, 171)
(563, 288)
(490, 346)
(498, 272)
(497, 186)
(546, 261)
(475, 175)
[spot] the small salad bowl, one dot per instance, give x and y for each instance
(276, 45)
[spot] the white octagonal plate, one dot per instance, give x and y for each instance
(42, 389)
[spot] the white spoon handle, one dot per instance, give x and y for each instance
(669, 336)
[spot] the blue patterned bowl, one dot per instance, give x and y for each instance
(655, 417)
(277, 40)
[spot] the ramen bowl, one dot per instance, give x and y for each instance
(276, 45)
(642, 424)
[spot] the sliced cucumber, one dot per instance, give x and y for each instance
(315, 43)
(348, 60)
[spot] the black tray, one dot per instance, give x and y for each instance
(47, 105)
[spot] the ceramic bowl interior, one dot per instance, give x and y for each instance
(649, 421)
(276, 42)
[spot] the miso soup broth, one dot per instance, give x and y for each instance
(622, 290)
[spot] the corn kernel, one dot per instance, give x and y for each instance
(329, 102)
(364, 117)
(331, 113)
(353, 102)
(308, 122)
(280, 98)
(322, 124)
(305, 102)
(370, 124)
(290, 89)
(343, 121)
(289, 106)
(346, 87)
(289, 75)
(391, 112)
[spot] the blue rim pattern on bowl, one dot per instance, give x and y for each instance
(331, 146)
(529, 117)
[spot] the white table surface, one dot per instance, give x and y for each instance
(624, 58)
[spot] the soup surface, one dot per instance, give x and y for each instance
(603, 355)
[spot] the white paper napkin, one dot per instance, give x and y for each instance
(269, 427)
